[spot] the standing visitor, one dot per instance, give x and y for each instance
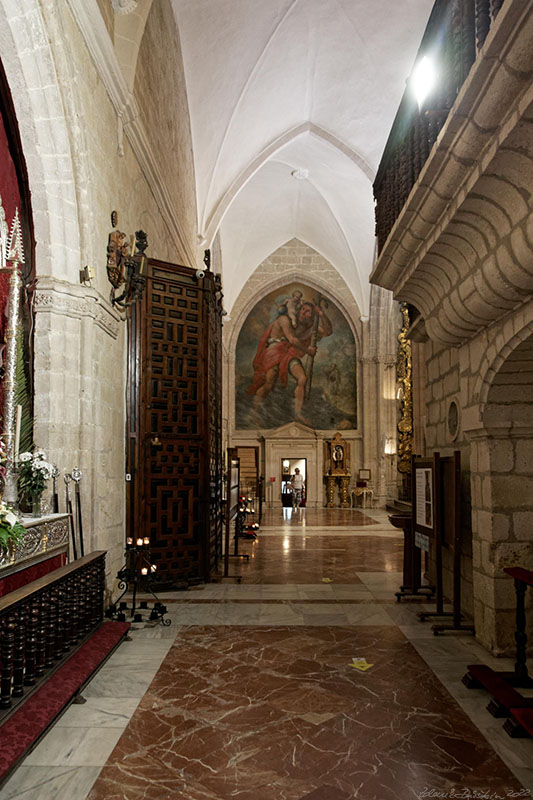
(297, 484)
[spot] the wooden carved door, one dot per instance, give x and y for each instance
(174, 423)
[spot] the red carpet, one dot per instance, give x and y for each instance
(23, 729)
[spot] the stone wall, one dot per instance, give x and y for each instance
(106, 10)
(444, 379)
(161, 95)
(502, 487)
(82, 165)
(491, 379)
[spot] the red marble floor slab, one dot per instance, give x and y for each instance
(317, 517)
(300, 559)
(278, 714)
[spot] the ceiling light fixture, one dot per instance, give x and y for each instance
(300, 174)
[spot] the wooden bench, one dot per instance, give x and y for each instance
(504, 696)
(506, 701)
(520, 723)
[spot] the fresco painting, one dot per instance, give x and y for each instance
(296, 361)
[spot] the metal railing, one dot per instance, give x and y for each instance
(42, 623)
(455, 34)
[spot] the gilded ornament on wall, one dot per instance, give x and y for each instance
(336, 456)
(405, 396)
(118, 249)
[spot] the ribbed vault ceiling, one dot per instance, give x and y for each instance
(282, 85)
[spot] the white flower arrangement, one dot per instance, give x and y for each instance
(10, 528)
(33, 470)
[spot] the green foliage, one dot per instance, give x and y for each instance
(9, 534)
(22, 396)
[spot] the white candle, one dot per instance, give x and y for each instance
(17, 433)
(146, 540)
(144, 571)
(139, 542)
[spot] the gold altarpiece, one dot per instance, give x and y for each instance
(337, 470)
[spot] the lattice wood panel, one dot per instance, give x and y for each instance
(215, 425)
(177, 478)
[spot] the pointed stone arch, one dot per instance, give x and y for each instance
(269, 276)
(32, 77)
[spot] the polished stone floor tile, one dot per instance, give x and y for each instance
(367, 614)
(285, 559)
(220, 614)
(314, 592)
(50, 783)
(75, 747)
(280, 712)
(280, 615)
(280, 592)
(109, 682)
(317, 517)
(248, 693)
(525, 777)
(99, 712)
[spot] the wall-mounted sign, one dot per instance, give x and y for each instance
(424, 497)
(422, 541)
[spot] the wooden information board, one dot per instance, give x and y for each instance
(447, 534)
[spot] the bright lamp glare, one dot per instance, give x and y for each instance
(423, 79)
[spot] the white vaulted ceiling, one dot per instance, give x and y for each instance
(279, 85)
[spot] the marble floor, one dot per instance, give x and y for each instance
(250, 692)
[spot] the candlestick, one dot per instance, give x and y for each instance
(17, 433)
(14, 254)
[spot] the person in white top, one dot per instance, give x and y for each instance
(297, 484)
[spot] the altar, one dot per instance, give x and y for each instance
(43, 548)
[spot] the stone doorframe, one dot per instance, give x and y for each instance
(298, 441)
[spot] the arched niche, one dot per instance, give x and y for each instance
(15, 202)
(502, 492)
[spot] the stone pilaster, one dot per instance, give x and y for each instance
(502, 521)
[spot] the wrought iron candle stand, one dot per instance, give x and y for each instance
(137, 576)
(247, 528)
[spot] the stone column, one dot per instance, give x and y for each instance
(79, 404)
(502, 520)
